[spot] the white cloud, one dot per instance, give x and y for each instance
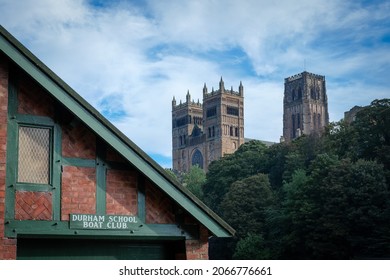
(142, 56)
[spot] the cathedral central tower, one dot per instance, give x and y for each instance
(305, 105)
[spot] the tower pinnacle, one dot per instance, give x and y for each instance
(221, 86)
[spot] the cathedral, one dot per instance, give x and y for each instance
(305, 105)
(203, 132)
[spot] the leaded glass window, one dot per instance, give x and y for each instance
(34, 155)
(197, 159)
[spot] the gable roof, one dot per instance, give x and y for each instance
(63, 93)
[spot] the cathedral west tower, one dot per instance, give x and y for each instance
(204, 132)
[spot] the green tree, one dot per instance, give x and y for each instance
(372, 125)
(171, 174)
(248, 160)
(245, 205)
(275, 163)
(194, 180)
(339, 211)
(251, 247)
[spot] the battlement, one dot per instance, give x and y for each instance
(187, 104)
(222, 90)
(300, 75)
(206, 95)
(218, 92)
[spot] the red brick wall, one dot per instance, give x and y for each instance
(33, 101)
(7, 246)
(198, 249)
(112, 156)
(78, 191)
(159, 207)
(33, 206)
(78, 141)
(121, 192)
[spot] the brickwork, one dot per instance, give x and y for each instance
(33, 205)
(32, 100)
(7, 246)
(78, 141)
(78, 191)
(158, 206)
(198, 249)
(121, 192)
(112, 156)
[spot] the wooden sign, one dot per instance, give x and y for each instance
(110, 222)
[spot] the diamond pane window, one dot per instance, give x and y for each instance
(34, 155)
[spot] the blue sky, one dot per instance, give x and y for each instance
(129, 58)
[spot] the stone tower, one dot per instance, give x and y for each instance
(205, 132)
(305, 105)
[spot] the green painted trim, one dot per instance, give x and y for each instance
(101, 178)
(141, 202)
(32, 187)
(31, 120)
(16, 120)
(79, 162)
(57, 170)
(11, 161)
(15, 228)
(116, 139)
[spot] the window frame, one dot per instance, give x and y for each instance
(14, 120)
(50, 161)
(54, 153)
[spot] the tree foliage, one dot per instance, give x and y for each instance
(194, 180)
(245, 162)
(245, 205)
(318, 197)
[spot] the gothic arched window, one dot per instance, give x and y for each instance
(197, 159)
(293, 126)
(319, 121)
(299, 93)
(299, 121)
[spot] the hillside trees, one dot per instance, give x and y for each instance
(194, 180)
(318, 197)
(247, 161)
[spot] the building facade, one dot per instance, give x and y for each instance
(204, 132)
(72, 186)
(305, 105)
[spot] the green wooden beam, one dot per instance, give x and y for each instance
(57, 171)
(79, 162)
(12, 158)
(141, 204)
(51, 228)
(101, 180)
